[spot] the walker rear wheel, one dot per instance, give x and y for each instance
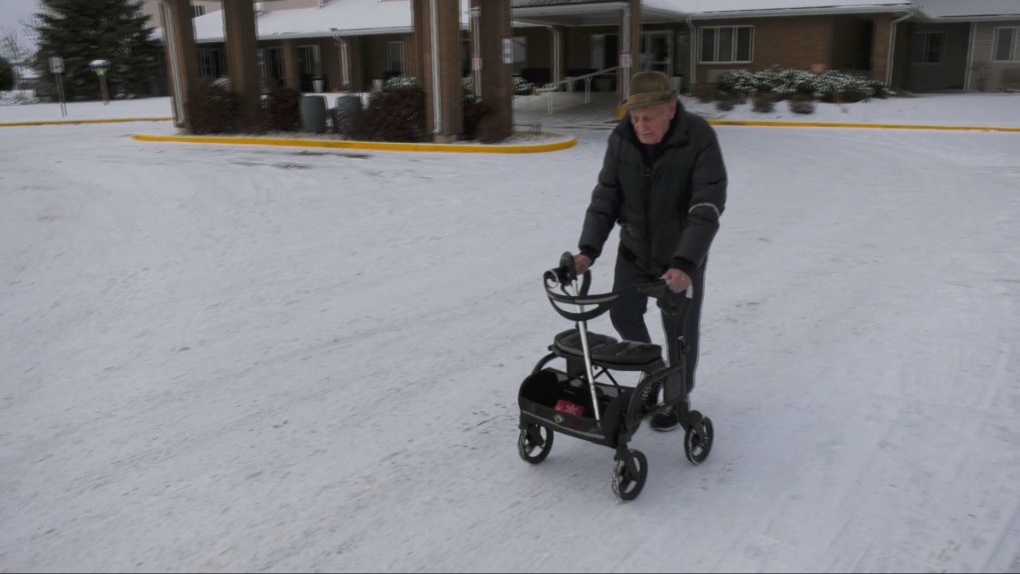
(534, 443)
(698, 440)
(629, 479)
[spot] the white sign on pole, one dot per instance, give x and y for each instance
(56, 65)
(626, 61)
(508, 50)
(476, 63)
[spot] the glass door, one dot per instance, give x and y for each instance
(657, 51)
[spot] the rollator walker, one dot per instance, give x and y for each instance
(584, 400)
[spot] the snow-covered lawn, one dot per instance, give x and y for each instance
(220, 358)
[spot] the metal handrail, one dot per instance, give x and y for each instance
(551, 87)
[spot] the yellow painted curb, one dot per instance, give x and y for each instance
(77, 122)
(765, 124)
(360, 145)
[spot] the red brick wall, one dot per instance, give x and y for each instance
(798, 42)
(806, 41)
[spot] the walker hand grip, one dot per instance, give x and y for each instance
(657, 289)
(567, 266)
(566, 273)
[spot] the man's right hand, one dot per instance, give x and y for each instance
(581, 262)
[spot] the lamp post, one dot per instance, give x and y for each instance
(100, 67)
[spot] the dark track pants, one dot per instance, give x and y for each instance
(628, 314)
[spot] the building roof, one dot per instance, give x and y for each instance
(588, 12)
(345, 17)
(704, 9)
(970, 10)
(364, 17)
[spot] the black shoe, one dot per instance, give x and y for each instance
(665, 420)
(650, 396)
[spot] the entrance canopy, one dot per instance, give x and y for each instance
(587, 12)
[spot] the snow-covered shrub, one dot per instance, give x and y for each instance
(522, 87)
(283, 109)
(474, 112)
(801, 104)
(399, 83)
(764, 102)
(393, 115)
(737, 82)
(725, 101)
(705, 93)
(213, 108)
(18, 97)
(831, 86)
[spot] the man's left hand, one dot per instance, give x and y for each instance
(676, 279)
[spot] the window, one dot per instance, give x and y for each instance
(928, 47)
(1007, 45)
(308, 60)
(657, 51)
(271, 62)
(211, 63)
(197, 11)
(726, 44)
(395, 57)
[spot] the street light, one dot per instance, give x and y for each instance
(100, 67)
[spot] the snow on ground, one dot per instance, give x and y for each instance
(972, 109)
(222, 358)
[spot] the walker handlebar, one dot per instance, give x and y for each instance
(566, 273)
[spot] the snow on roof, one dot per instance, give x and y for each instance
(362, 17)
(530, 3)
(730, 7)
(1007, 9)
(348, 17)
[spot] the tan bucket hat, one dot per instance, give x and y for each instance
(649, 89)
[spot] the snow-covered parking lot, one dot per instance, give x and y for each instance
(222, 358)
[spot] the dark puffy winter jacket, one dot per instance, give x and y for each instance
(668, 208)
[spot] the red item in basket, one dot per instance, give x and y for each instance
(565, 406)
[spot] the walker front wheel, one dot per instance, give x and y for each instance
(629, 476)
(698, 440)
(534, 443)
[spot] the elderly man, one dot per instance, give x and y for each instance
(664, 181)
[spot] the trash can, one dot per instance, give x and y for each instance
(346, 114)
(313, 114)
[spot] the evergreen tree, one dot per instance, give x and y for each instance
(6, 75)
(80, 31)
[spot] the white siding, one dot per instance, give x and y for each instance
(986, 74)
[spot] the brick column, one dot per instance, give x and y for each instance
(291, 74)
(880, 47)
(497, 89)
(181, 56)
(242, 52)
(442, 35)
